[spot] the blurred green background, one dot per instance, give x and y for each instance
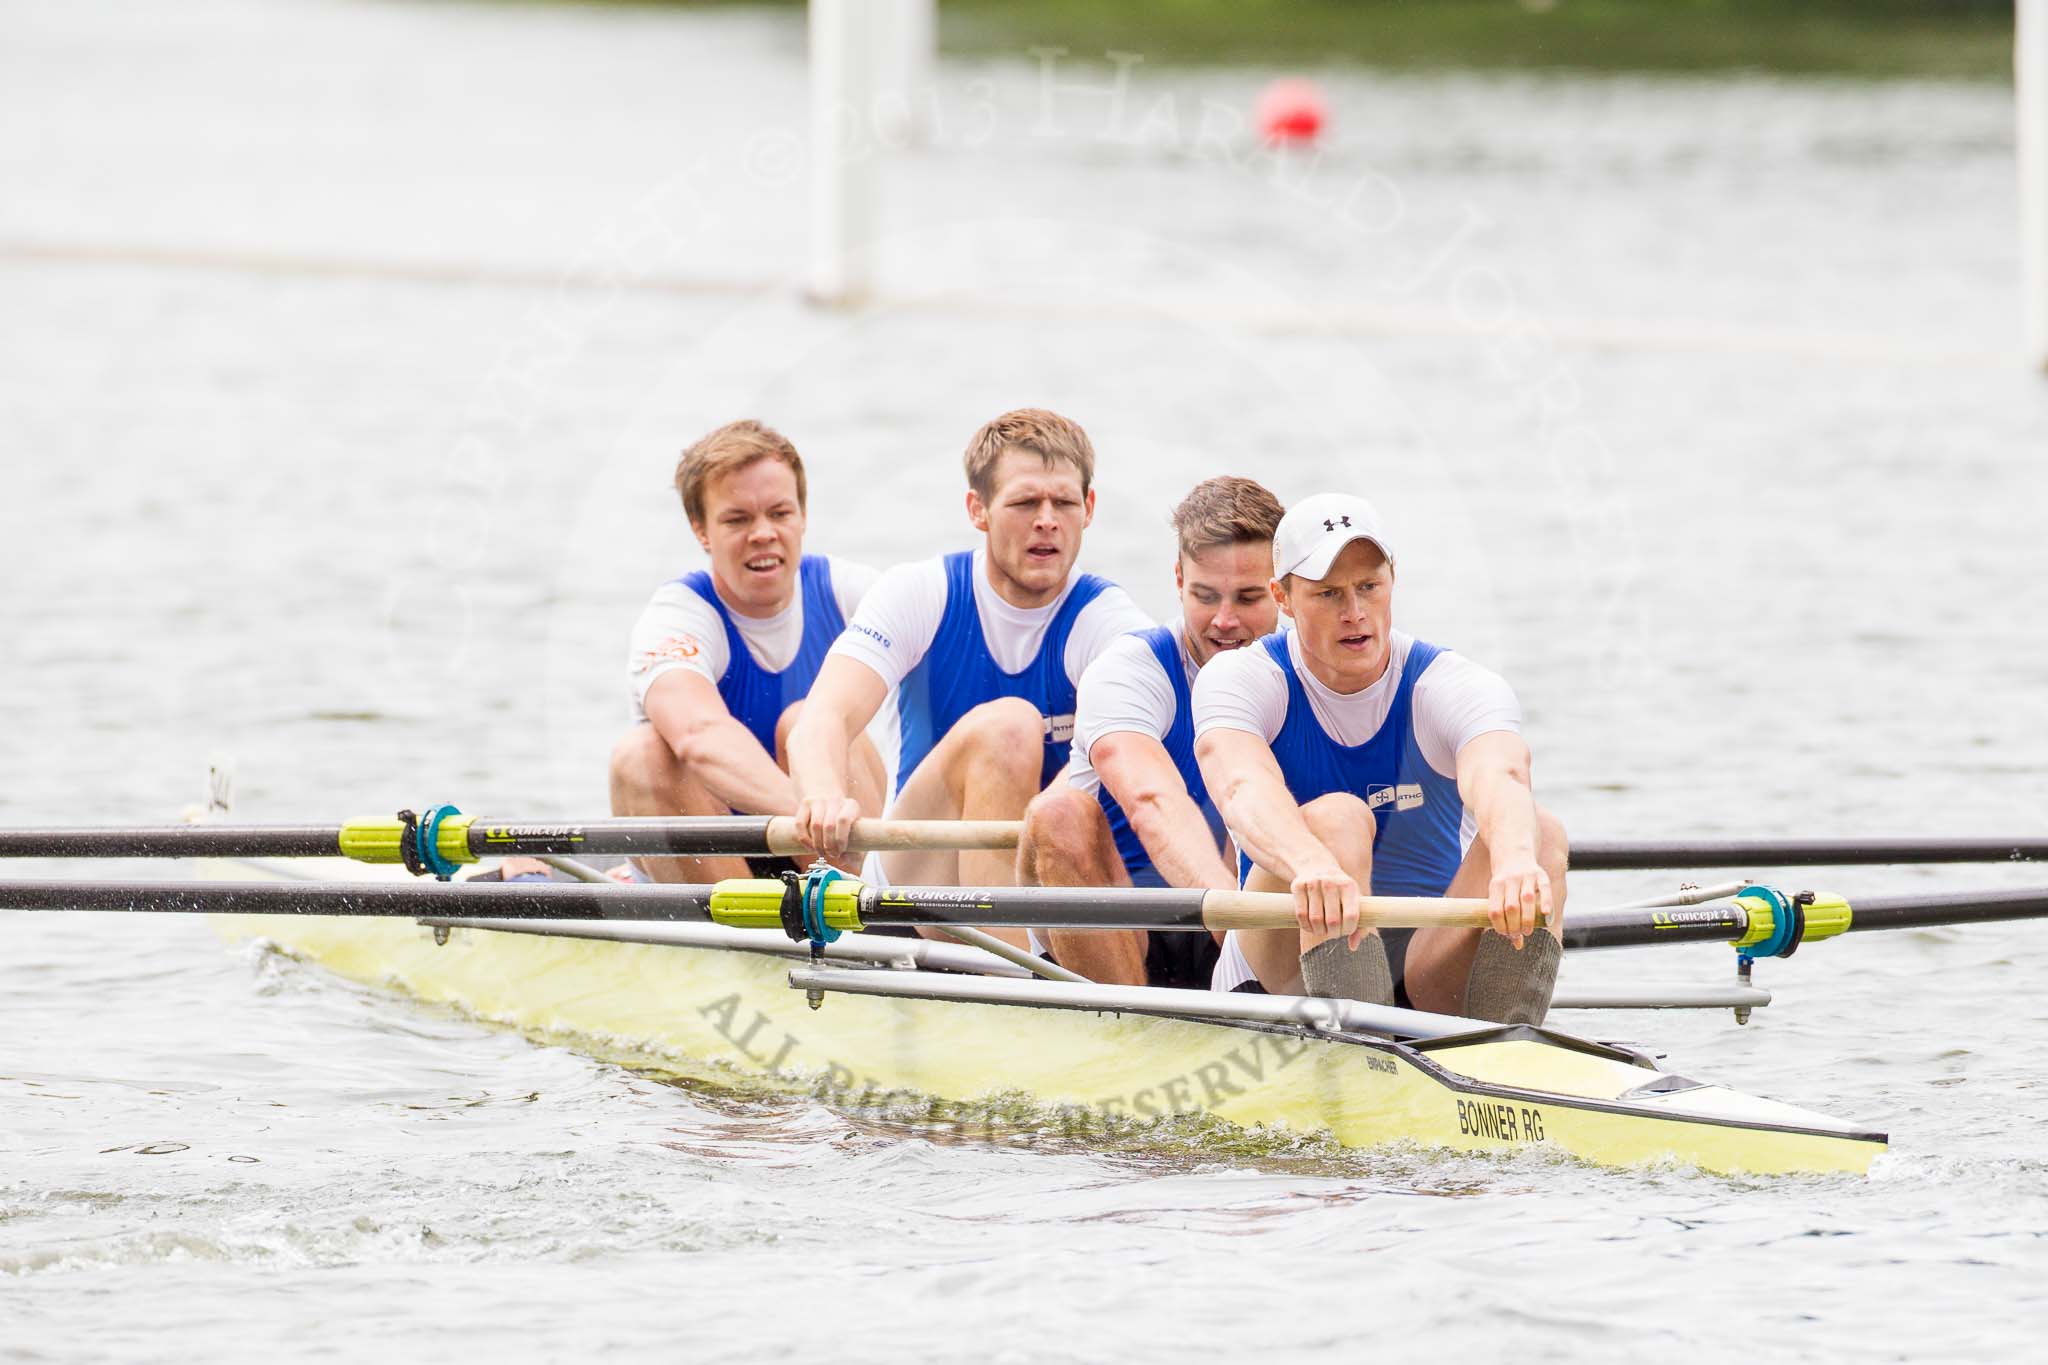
(1966, 39)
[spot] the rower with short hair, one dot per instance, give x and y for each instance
(985, 645)
(723, 657)
(1348, 757)
(1134, 811)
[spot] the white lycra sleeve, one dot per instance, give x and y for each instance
(1241, 689)
(676, 629)
(1124, 690)
(851, 583)
(897, 620)
(1456, 701)
(1100, 624)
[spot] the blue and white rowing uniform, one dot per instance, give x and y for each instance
(761, 665)
(938, 632)
(1394, 745)
(1142, 684)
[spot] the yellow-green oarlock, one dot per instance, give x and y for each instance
(1825, 916)
(756, 903)
(377, 840)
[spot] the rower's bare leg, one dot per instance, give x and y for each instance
(648, 779)
(986, 768)
(1067, 842)
(866, 779)
(1440, 960)
(1342, 824)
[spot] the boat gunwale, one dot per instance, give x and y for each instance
(1413, 1052)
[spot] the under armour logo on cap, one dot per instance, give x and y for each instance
(1316, 530)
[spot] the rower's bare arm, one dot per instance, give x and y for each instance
(686, 711)
(1142, 777)
(1494, 783)
(843, 700)
(1245, 782)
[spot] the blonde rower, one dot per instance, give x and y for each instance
(986, 646)
(722, 658)
(1348, 757)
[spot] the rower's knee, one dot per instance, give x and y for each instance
(641, 762)
(1061, 815)
(1060, 835)
(642, 770)
(1008, 732)
(1341, 823)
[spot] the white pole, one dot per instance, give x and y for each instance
(844, 154)
(2030, 72)
(905, 35)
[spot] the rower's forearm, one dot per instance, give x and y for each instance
(732, 765)
(1504, 810)
(1175, 834)
(1269, 828)
(818, 758)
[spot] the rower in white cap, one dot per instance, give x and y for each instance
(1350, 758)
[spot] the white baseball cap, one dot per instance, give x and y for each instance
(1316, 530)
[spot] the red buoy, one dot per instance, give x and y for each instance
(1290, 110)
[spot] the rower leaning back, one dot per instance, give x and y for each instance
(722, 658)
(1348, 757)
(985, 646)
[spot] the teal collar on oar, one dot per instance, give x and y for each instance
(419, 843)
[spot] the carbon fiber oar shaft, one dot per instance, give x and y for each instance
(407, 900)
(463, 838)
(1758, 855)
(1728, 921)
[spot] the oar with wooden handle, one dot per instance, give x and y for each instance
(1760, 920)
(847, 904)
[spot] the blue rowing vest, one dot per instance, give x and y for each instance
(756, 697)
(1180, 747)
(958, 674)
(1416, 810)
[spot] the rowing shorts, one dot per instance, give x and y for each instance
(1233, 973)
(1182, 959)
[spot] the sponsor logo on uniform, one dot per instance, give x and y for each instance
(877, 636)
(1059, 729)
(672, 649)
(1402, 796)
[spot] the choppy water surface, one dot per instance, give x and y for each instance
(346, 350)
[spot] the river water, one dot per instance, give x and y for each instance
(347, 347)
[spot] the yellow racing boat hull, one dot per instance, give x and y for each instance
(1496, 1090)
